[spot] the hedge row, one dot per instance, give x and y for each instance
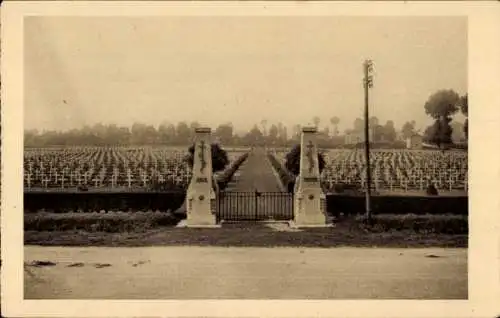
(113, 222)
(226, 177)
(286, 178)
(398, 205)
(423, 224)
(60, 202)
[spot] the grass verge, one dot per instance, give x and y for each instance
(111, 222)
(424, 224)
(152, 228)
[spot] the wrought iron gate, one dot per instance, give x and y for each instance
(254, 206)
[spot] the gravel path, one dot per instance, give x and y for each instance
(255, 174)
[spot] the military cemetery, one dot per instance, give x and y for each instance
(244, 165)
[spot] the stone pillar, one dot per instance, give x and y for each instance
(200, 197)
(309, 205)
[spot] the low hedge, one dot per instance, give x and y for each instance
(113, 222)
(398, 204)
(286, 178)
(424, 224)
(227, 175)
(68, 201)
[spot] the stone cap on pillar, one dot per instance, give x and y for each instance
(202, 130)
(309, 129)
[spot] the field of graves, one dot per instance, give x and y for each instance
(129, 169)
(396, 171)
(108, 168)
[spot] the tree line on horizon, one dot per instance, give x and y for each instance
(441, 106)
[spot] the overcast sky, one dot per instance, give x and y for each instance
(236, 69)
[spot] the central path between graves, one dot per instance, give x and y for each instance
(255, 174)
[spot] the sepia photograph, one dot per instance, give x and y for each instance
(244, 157)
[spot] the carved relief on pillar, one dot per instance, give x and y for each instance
(323, 205)
(213, 206)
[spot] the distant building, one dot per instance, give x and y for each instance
(414, 142)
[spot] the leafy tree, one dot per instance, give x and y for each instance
(379, 133)
(389, 131)
(335, 123)
(166, 132)
(373, 126)
(428, 134)
(464, 104)
(439, 133)
(263, 123)
(292, 160)
(464, 107)
(441, 106)
(273, 134)
(225, 133)
(254, 136)
(283, 133)
(183, 133)
(220, 158)
(408, 129)
(359, 125)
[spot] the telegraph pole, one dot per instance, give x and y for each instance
(367, 83)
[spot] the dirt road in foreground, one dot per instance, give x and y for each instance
(245, 273)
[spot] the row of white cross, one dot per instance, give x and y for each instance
(404, 183)
(452, 178)
(98, 179)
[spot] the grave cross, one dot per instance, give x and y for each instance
(129, 178)
(377, 181)
(96, 181)
(421, 183)
(113, 180)
(202, 156)
(79, 179)
(45, 181)
(144, 178)
(309, 155)
(28, 179)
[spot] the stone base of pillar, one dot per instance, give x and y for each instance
(295, 225)
(194, 224)
(309, 211)
(200, 211)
